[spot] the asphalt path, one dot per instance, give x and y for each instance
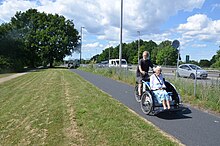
(191, 126)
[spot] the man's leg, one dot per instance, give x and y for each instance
(139, 89)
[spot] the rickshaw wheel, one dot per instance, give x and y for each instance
(146, 103)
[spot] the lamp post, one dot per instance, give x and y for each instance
(120, 49)
(109, 53)
(81, 45)
(138, 45)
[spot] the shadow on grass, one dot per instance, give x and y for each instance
(173, 115)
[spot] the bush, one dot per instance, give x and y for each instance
(10, 65)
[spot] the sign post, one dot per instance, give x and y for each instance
(176, 45)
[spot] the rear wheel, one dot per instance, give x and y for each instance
(146, 103)
(192, 76)
(136, 94)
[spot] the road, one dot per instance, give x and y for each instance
(191, 126)
(213, 78)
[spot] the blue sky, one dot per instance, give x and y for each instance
(195, 23)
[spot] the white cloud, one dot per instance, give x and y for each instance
(92, 45)
(195, 23)
(102, 18)
(200, 27)
(10, 7)
(199, 45)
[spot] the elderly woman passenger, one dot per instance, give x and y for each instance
(158, 87)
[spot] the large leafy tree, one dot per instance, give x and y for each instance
(11, 50)
(47, 37)
(165, 54)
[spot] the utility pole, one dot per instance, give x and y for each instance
(120, 49)
(109, 53)
(81, 45)
(138, 45)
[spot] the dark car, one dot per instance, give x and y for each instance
(103, 64)
(73, 63)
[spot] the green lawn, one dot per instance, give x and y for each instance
(58, 107)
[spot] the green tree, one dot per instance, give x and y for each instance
(193, 62)
(204, 63)
(166, 56)
(216, 60)
(47, 37)
(11, 50)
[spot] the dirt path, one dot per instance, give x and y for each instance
(2, 80)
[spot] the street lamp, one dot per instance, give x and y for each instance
(109, 53)
(138, 45)
(81, 44)
(120, 49)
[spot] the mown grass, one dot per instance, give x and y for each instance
(207, 95)
(57, 107)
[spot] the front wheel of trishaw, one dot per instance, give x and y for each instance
(146, 103)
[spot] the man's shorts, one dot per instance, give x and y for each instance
(140, 78)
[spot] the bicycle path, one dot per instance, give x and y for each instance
(191, 126)
(4, 79)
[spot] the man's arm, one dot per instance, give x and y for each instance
(151, 64)
(141, 71)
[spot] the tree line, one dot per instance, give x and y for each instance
(162, 54)
(159, 54)
(33, 39)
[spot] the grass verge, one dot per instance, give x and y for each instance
(57, 107)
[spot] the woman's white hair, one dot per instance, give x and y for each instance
(157, 68)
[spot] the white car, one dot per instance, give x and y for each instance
(189, 70)
(115, 63)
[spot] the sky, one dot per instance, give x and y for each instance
(195, 23)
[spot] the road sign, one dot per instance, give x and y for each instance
(187, 58)
(175, 44)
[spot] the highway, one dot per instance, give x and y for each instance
(169, 72)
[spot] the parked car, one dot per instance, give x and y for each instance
(73, 63)
(115, 63)
(103, 64)
(189, 70)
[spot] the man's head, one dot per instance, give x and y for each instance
(145, 55)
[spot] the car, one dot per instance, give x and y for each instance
(73, 63)
(189, 71)
(103, 64)
(115, 63)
